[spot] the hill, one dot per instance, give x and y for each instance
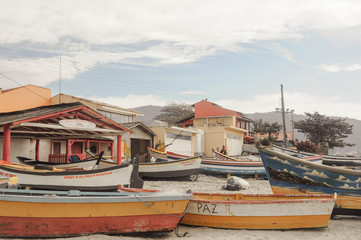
(150, 111)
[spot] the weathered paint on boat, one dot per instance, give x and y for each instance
(289, 175)
(239, 211)
(214, 166)
(165, 156)
(104, 179)
(181, 168)
(176, 169)
(60, 214)
(86, 163)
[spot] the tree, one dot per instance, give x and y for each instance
(320, 129)
(173, 112)
(271, 129)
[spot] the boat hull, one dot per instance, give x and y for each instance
(105, 179)
(260, 211)
(182, 168)
(63, 216)
(240, 168)
(167, 170)
(288, 175)
(81, 164)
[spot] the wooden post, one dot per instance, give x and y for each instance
(37, 148)
(7, 143)
(68, 147)
(119, 150)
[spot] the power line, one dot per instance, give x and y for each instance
(25, 87)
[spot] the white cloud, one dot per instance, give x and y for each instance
(156, 32)
(340, 68)
(322, 103)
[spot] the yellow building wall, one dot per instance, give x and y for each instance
(160, 135)
(213, 138)
(26, 97)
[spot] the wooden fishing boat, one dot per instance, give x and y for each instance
(165, 156)
(222, 164)
(187, 168)
(331, 159)
(259, 211)
(8, 182)
(233, 167)
(86, 163)
(102, 179)
(36, 213)
(292, 175)
(157, 155)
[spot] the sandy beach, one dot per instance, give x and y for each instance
(342, 227)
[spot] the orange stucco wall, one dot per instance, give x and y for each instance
(25, 97)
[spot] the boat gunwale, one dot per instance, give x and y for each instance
(170, 162)
(311, 164)
(61, 173)
(241, 198)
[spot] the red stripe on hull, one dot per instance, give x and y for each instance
(64, 227)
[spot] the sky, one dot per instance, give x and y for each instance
(233, 53)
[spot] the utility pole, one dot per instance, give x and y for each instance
(60, 79)
(284, 119)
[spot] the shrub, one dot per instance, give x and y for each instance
(307, 146)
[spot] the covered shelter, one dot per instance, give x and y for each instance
(71, 123)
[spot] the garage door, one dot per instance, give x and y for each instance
(235, 145)
(180, 144)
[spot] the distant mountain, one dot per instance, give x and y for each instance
(150, 111)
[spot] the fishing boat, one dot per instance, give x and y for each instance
(259, 211)
(8, 182)
(182, 169)
(39, 213)
(86, 163)
(95, 179)
(165, 155)
(327, 159)
(231, 166)
(292, 175)
(222, 164)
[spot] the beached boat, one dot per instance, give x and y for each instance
(327, 159)
(222, 164)
(259, 211)
(39, 177)
(292, 175)
(8, 182)
(165, 156)
(36, 213)
(186, 169)
(86, 163)
(233, 167)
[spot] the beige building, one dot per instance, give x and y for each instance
(221, 127)
(184, 141)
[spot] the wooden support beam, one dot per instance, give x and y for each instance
(119, 150)
(7, 143)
